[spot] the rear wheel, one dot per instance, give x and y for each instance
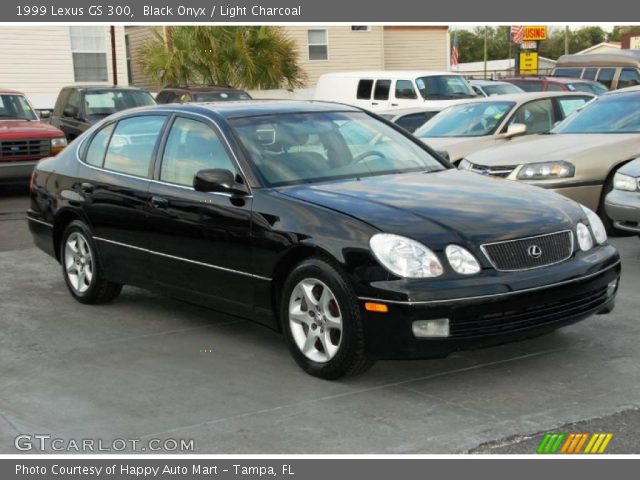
(81, 267)
(321, 321)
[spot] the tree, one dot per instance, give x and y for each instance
(261, 57)
(615, 35)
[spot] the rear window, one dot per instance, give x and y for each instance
(221, 96)
(528, 86)
(567, 72)
(364, 89)
(108, 102)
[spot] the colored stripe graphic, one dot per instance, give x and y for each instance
(574, 442)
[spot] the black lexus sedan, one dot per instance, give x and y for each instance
(320, 220)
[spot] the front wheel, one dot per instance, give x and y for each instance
(321, 321)
(82, 269)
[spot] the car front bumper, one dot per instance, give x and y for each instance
(624, 209)
(484, 320)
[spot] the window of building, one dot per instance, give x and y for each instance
(359, 28)
(128, 53)
(89, 52)
(318, 45)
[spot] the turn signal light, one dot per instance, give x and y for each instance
(376, 307)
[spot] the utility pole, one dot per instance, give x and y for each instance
(566, 40)
(485, 52)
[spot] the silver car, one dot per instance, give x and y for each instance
(491, 88)
(623, 202)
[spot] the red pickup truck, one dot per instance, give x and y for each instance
(24, 138)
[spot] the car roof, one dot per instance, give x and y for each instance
(482, 83)
(391, 74)
(202, 88)
(249, 108)
(524, 97)
(6, 91)
(554, 79)
(622, 91)
(104, 87)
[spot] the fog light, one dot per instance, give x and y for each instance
(431, 328)
(611, 288)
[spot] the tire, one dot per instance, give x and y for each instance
(325, 338)
(81, 267)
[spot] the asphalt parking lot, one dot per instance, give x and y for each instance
(148, 366)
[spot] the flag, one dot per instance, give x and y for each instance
(454, 51)
(517, 33)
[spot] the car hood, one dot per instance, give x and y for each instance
(444, 207)
(10, 129)
(540, 148)
(459, 147)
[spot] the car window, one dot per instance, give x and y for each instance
(221, 96)
(529, 86)
(567, 72)
(108, 102)
(192, 146)
(554, 87)
(611, 113)
(381, 91)
(605, 76)
(413, 121)
(568, 105)
(590, 73)
(404, 89)
(74, 100)
(132, 144)
(476, 119)
(364, 89)
(628, 78)
(536, 115)
(502, 89)
(478, 90)
(98, 146)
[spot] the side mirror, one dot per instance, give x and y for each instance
(70, 112)
(45, 114)
(218, 180)
(514, 130)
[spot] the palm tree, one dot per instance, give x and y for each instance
(253, 57)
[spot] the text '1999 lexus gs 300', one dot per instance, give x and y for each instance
(320, 220)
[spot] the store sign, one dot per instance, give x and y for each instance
(535, 32)
(529, 45)
(528, 63)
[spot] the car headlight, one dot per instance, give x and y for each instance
(462, 260)
(58, 144)
(597, 227)
(405, 257)
(585, 241)
(625, 182)
(465, 164)
(547, 170)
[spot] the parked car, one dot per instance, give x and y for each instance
(282, 213)
(557, 84)
(24, 138)
(613, 69)
(200, 93)
(410, 118)
(579, 157)
(491, 88)
(623, 202)
(463, 129)
(385, 90)
(79, 107)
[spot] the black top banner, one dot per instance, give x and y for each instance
(279, 11)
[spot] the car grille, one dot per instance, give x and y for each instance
(25, 148)
(531, 252)
(478, 324)
(500, 171)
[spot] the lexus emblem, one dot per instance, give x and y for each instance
(534, 251)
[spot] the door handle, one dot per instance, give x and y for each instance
(86, 187)
(374, 103)
(394, 104)
(159, 202)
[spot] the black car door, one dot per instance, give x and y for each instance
(113, 180)
(200, 242)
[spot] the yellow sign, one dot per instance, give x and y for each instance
(528, 63)
(535, 32)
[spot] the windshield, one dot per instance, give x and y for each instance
(14, 107)
(298, 148)
(221, 96)
(501, 89)
(468, 120)
(595, 88)
(609, 114)
(107, 102)
(444, 86)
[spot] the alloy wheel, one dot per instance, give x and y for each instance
(78, 262)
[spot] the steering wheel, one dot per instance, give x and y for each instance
(371, 153)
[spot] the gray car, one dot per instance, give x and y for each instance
(623, 202)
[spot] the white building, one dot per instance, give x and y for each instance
(500, 68)
(40, 60)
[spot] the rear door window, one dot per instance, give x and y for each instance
(590, 73)
(628, 78)
(605, 76)
(381, 92)
(364, 89)
(537, 116)
(133, 143)
(98, 146)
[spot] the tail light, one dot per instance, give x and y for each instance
(32, 180)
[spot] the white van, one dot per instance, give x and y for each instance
(386, 90)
